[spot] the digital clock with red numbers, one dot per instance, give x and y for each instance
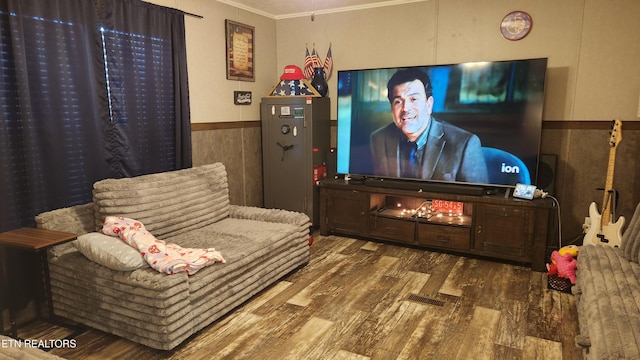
(444, 206)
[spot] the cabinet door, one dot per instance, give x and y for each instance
(286, 166)
(346, 211)
(504, 232)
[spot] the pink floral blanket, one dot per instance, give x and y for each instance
(167, 258)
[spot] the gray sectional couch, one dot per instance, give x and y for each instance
(189, 208)
(608, 297)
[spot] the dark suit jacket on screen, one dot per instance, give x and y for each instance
(451, 154)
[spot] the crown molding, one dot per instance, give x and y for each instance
(320, 12)
(247, 8)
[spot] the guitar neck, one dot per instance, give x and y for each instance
(608, 188)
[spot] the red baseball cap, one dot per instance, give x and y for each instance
(292, 72)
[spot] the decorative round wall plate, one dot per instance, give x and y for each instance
(516, 25)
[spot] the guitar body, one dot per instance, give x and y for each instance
(603, 234)
(602, 230)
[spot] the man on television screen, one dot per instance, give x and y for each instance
(418, 146)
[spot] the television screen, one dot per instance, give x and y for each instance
(473, 123)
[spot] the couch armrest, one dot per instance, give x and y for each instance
(78, 219)
(269, 215)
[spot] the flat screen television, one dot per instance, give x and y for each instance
(484, 129)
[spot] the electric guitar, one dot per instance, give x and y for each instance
(602, 230)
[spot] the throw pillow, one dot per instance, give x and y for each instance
(109, 251)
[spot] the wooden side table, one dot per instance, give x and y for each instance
(36, 241)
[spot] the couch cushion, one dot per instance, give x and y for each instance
(631, 237)
(608, 309)
(109, 251)
(244, 244)
(169, 203)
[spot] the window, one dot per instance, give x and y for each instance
(139, 84)
(90, 90)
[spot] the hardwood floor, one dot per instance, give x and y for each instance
(366, 300)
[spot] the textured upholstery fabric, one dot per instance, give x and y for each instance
(109, 251)
(631, 238)
(608, 298)
(167, 203)
(160, 310)
(77, 220)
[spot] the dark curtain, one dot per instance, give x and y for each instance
(90, 89)
(51, 142)
(149, 128)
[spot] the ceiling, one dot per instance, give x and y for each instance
(279, 9)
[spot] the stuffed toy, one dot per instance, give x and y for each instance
(563, 263)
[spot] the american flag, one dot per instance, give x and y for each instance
(308, 65)
(328, 63)
(315, 59)
(292, 88)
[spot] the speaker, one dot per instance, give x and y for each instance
(332, 163)
(547, 173)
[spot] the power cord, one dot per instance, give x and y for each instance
(557, 205)
(543, 194)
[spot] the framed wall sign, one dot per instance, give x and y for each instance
(242, 97)
(240, 51)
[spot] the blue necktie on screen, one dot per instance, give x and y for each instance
(408, 162)
(412, 157)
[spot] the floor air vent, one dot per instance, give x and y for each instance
(425, 300)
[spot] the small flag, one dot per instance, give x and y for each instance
(308, 65)
(328, 63)
(315, 59)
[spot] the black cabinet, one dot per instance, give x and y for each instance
(295, 142)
